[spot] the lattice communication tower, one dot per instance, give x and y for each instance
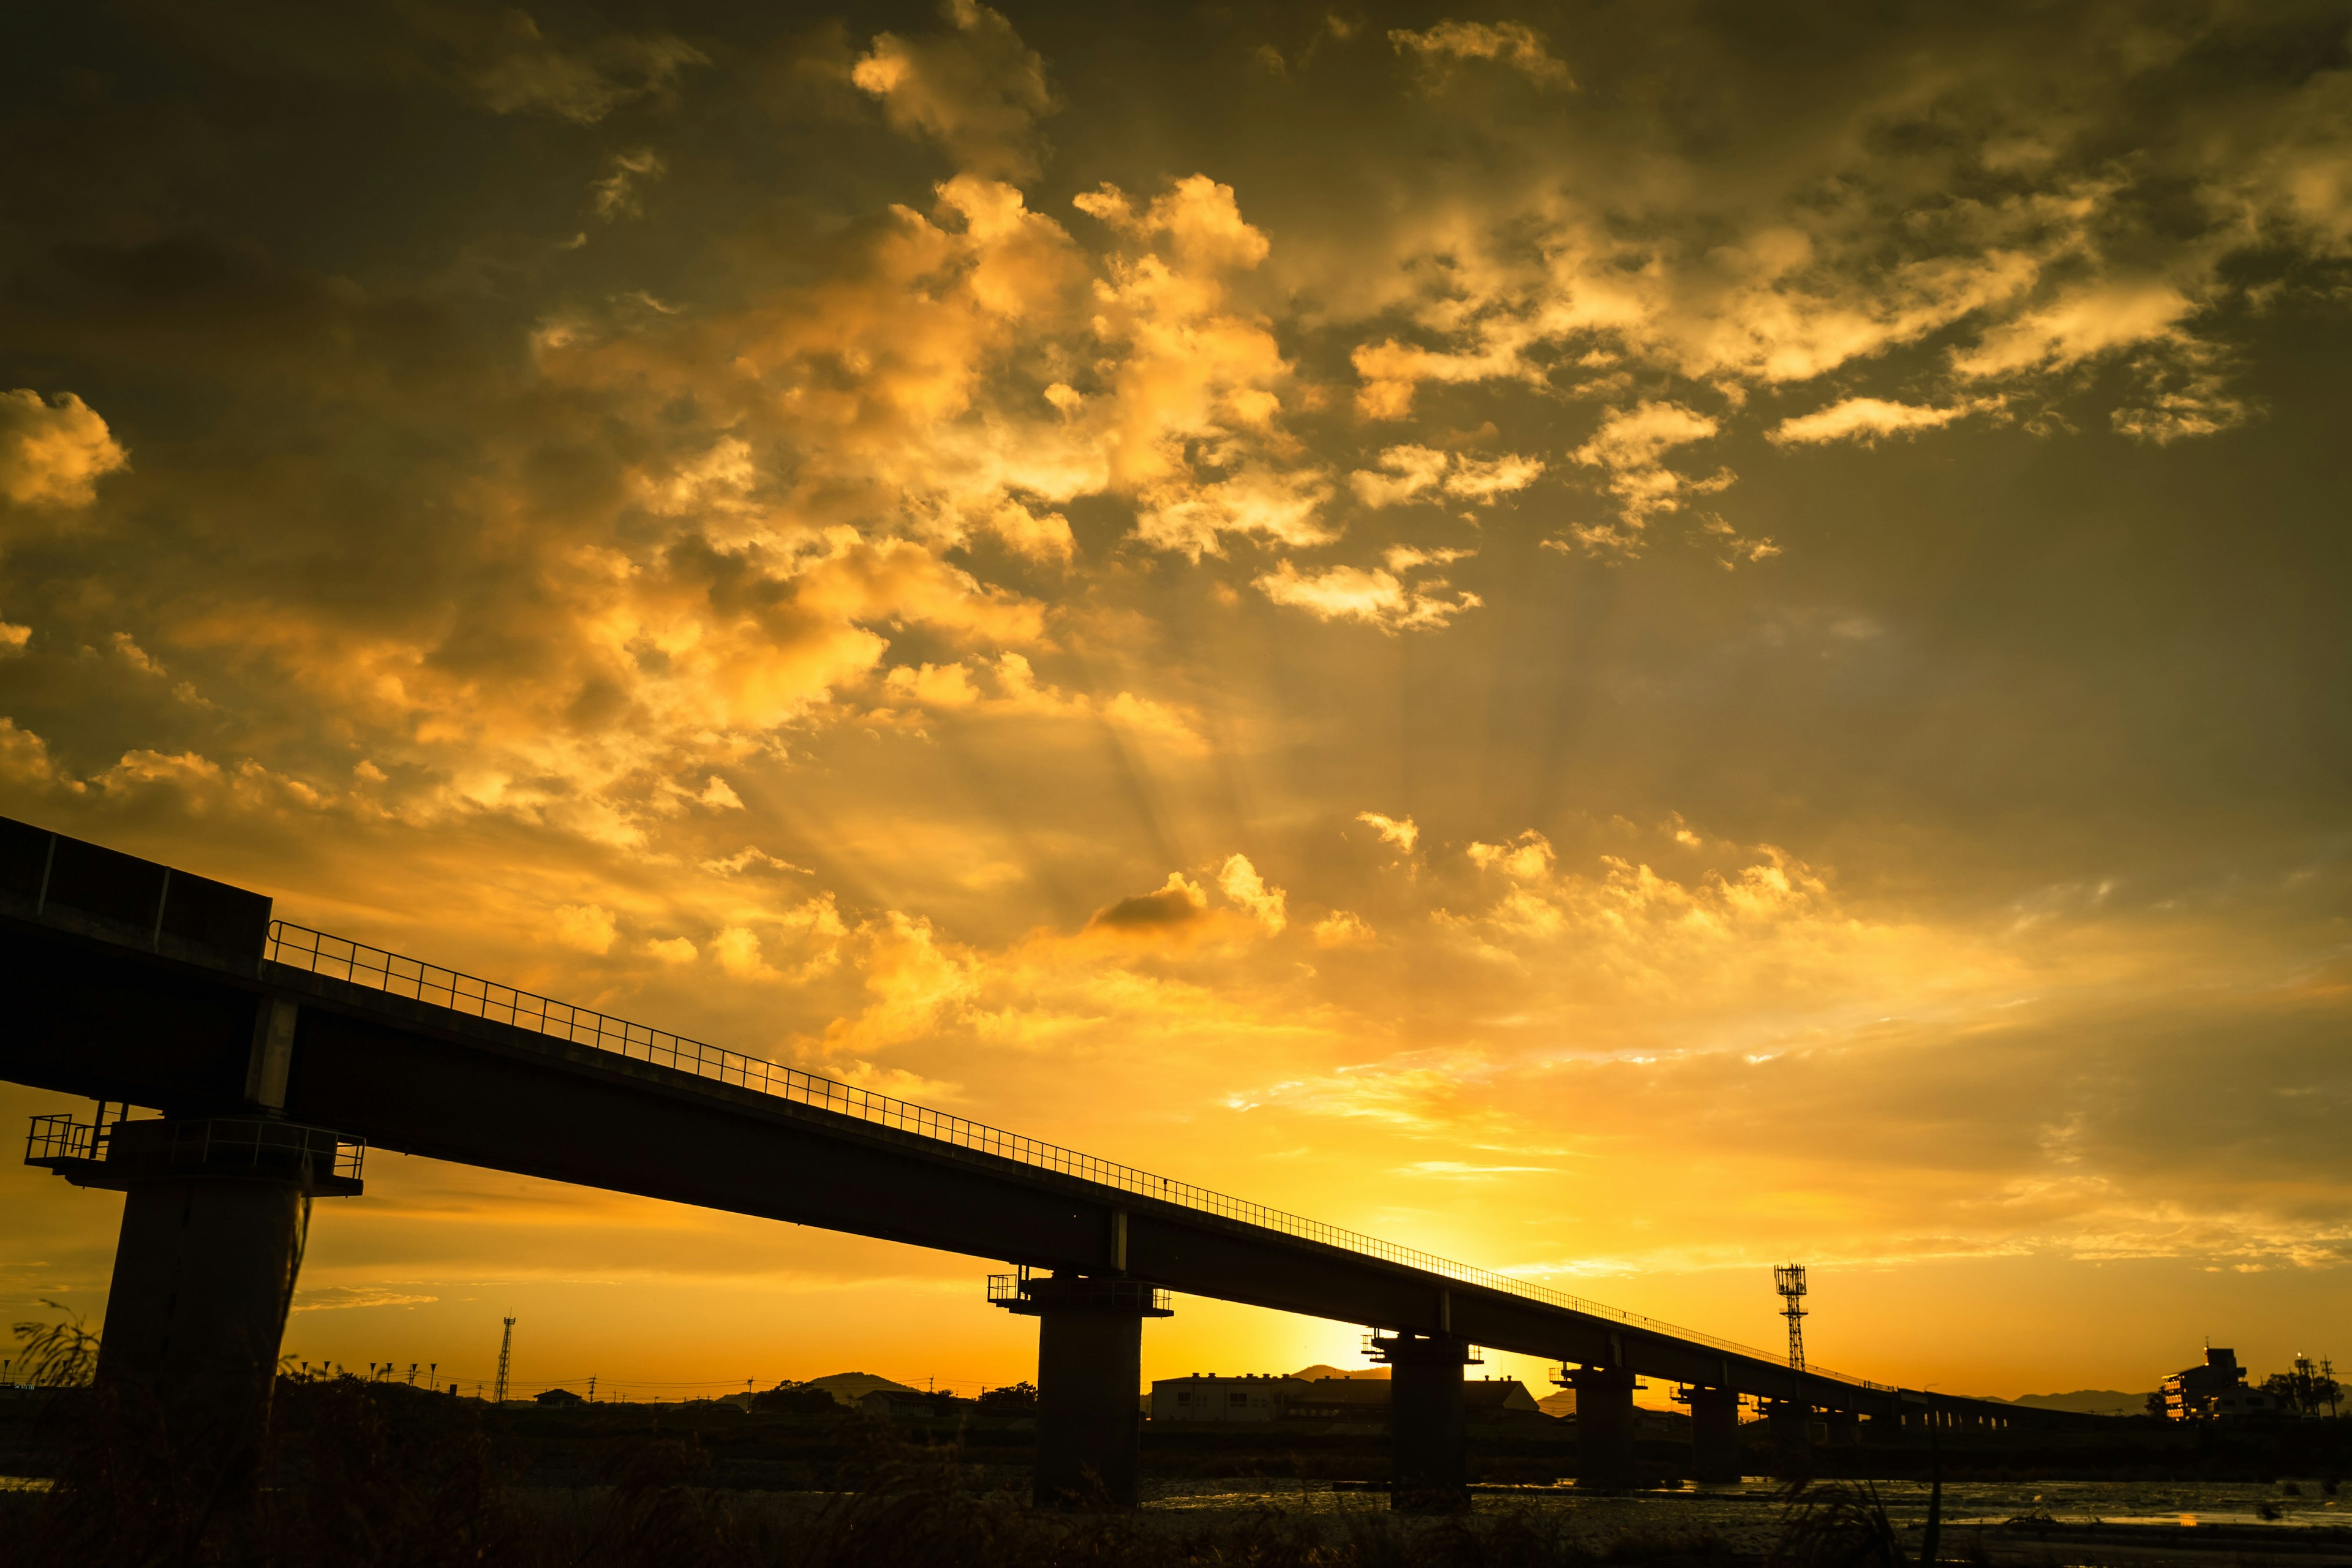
(506, 1354)
(1789, 1279)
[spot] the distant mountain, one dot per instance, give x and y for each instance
(2088, 1402)
(1320, 1370)
(849, 1387)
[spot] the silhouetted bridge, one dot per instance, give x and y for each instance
(274, 1052)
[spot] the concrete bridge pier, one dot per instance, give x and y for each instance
(1714, 1434)
(1428, 1422)
(215, 1212)
(1089, 1371)
(1788, 1421)
(1604, 1426)
(1843, 1428)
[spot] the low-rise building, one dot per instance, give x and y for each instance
(2217, 1389)
(1207, 1397)
(1347, 1399)
(1258, 1397)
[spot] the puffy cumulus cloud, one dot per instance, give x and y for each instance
(1630, 450)
(977, 90)
(2082, 322)
(1401, 832)
(1482, 481)
(1190, 422)
(1399, 474)
(1044, 536)
(683, 657)
(876, 393)
(522, 70)
(1403, 473)
(25, 761)
(1748, 921)
(1239, 880)
(1405, 557)
(1343, 928)
(1441, 50)
(1942, 220)
(1192, 516)
(1377, 597)
(1174, 907)
(1527, 857)
(54, 451)
(793, 944)
(1867, 419)
(913, 981)
(1164, 393)
(1007, 688)
(940, 687)
(1630, 440)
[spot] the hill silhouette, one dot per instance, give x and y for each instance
(849, 1387)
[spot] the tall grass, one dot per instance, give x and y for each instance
(369, 1475)
(359, 1475)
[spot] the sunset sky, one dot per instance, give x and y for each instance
(1621, 642)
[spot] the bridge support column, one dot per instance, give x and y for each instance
(1604, 1426)
(214, 1215)
(1714, 1434)
(1843, 1428)
(1089, 1374)
(1428, 1422)
(1792, 1447)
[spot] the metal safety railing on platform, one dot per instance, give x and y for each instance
(341, 958)
(210, 1143)
(1008, 1290)
(60, 1137)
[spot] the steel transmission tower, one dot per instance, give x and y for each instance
(506, 1351)
(1789, 1279)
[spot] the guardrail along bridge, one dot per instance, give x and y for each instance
(275, 1054)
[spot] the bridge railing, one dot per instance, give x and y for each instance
(320, 952)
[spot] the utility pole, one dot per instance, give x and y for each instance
(591, 1391)
(506, 1353)
(1789, 1279)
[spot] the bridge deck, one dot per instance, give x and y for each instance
(142, 1002)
